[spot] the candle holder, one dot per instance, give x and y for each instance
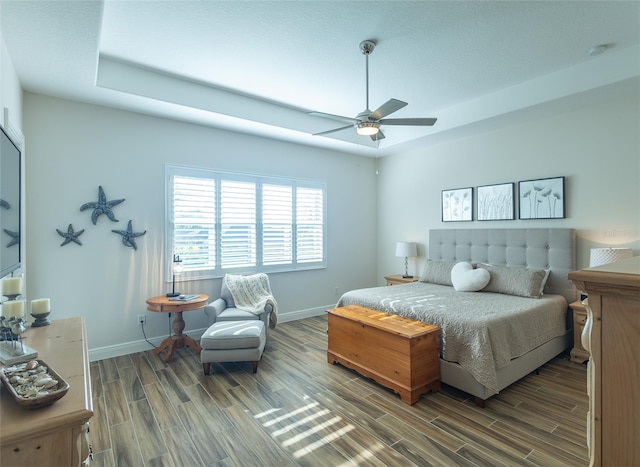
(12, 297)
(40, 320)
(40, 309)
(11, 287)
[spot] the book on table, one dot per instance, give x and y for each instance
(183, 298)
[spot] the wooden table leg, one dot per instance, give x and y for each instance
(178, 340)
(193, 345)
(166, 344)
(178, 324)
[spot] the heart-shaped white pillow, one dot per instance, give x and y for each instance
(466, 279)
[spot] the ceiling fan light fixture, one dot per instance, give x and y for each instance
(367, 128)
(367, 123)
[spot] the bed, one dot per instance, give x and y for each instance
(489, 339)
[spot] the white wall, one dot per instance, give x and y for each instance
(10, 90)
(75, 147)
(597, 149)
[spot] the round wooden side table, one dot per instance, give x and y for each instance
(163, 304)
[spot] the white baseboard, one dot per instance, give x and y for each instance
(301, 314)
(127, 348)
(118, 350)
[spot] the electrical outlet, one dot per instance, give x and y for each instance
(142, 320)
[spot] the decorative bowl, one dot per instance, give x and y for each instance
(35, 401)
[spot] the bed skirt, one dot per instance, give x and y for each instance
(454, 375)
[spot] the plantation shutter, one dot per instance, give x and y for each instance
(221, 222)
(309, 224)
(194, 221)
(237, 224)
(277, 225)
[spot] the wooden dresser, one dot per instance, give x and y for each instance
(54, 435)
(399, 353)
(612, 336)
(578, 353)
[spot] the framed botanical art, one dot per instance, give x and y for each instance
(496, 202)
(542, 198)
(457, 205)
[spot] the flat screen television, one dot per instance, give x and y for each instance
(10, 208)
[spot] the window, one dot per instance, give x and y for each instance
(221, 222)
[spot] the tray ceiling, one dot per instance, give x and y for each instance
(259, 66)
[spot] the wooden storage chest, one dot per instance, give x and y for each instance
(396, 352)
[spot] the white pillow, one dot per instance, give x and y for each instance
(466, 279)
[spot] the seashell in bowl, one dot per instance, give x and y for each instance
(33, 384)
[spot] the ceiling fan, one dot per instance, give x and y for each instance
(367, 123)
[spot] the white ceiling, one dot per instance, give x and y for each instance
(259, 66)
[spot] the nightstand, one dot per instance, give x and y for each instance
(578, 354)
(398, 279)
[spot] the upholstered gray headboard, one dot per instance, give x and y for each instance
(552, 249)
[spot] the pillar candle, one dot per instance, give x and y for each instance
(13, 309)
(40, 306)
(12, 286)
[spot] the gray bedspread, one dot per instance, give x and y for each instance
(481, 331)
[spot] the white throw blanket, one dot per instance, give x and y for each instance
(252, 294)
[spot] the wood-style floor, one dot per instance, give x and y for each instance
(299, 410)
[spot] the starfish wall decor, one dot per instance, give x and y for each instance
(102, 207)
(70, 235)
(15, 237)
(128, 236)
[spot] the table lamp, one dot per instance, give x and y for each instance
(176, 266)
(600, 256)
(406, 249)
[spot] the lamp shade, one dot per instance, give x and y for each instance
(177, 265)
(600, 256)
(406, 249)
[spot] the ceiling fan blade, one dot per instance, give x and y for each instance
(322, 133)
(378, 136)
(409, 121)
(387, 109)
(339, 118)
